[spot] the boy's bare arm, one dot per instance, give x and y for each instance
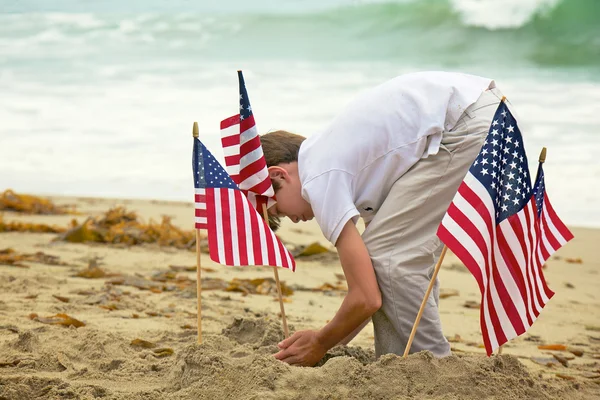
(355, 332)
(362, 300)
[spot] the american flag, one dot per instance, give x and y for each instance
(554, 232)
(244, 158)
(237, 235)
(494, 227)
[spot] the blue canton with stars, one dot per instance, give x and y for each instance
(208, 173)
(245, 108)
(539, 189)
(501, 165)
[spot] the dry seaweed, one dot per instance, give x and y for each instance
(558, 347)
(162, 352)
(183, 268)
(190, 268)
(9, 256)
(561, 360)
(445, 293)
(24, 203)
(592, 328)
(472, 304)
(575, 260)
(567, 377)
(575, 351)
(142, 343)
(17, 226)
(94, 273)
(454, 339)
(110, 306)
(310, 250)
(135, 281)
(214, 284)
(315, 252)
(328, 287)
(61, 298)
(119, 226)
(172, 280)
(263, 286)
(58, 319)
(284, 300)
(163, 281)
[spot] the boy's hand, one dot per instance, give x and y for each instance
(302, 349)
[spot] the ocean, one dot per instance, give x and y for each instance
(98, 98)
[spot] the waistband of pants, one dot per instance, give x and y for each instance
(488, 97)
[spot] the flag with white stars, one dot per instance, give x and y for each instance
(244, 158)
(237, 235)
(494, 228)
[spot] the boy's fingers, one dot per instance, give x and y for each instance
(283, 354)
(284, 344)
(292, 360)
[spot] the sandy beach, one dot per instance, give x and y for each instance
(138, 339)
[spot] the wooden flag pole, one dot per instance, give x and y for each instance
(286, 332)
(199, 285)
(427, 293)
(198, 266)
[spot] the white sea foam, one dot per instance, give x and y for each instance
(79, 20)
(494, 14)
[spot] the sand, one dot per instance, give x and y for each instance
(240, 331)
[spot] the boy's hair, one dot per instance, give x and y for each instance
(280, 147)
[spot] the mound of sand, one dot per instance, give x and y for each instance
(52, 362)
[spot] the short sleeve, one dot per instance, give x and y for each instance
(330, 196)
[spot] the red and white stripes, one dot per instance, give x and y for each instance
(238, 235)
(200, 220)
(245, 162)
(505, 259)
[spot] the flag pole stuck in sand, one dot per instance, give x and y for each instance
(198, 265)
(424, 302)
(286, 331)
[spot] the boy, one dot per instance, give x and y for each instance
(395, 156)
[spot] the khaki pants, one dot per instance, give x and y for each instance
(402, 240)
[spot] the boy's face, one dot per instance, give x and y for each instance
(290, 202)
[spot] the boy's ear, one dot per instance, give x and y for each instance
(276, 173)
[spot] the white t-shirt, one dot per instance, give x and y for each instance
(348, 169)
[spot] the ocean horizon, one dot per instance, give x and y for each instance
(98, 98)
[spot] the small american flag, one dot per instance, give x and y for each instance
(493, 225)
(244, 158)
(554, 232)
(237, 235)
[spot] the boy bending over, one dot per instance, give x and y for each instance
(394, 156)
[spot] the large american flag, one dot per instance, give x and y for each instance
(244, 158)
(237, 235)
(495, 228)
